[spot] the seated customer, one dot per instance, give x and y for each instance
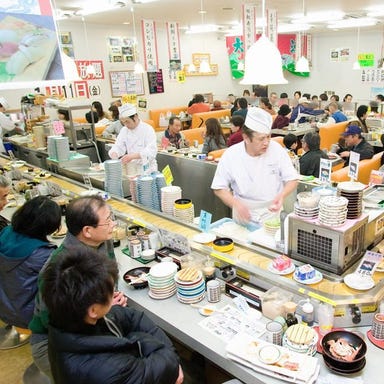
(236, 136)
(291, 143)
(267, 106)
(301, 109)
(91, 341)
(242, 108)
(282, 118)
(24, 249)
(355, 142)
(115, 127)
(198, 105)
(335, 116)
(173, 134)
(214, 137)
(310, 160)
(5, 185)
(217, 106)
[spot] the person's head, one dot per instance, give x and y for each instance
(5, 186)
(246, 93)
(380, 98)
(90, 219)
(284, 110)
(333, 107)
(374, 106)
(98, 108)
(242, 103)
(352, 135)
(283, 95)
(273, 99)
(78, 288)
(348, 98)
(114, 109)
(213, 128)
(4, 105)
(311, 141)
(307, 95)
(297, 95)
(335, 98)
(231, 98)
(314, 98)
(199, 98)
(117, 103)
(361, 112)
(290, 141)
(265, 104)
(63, 114)
(237, 122)
(304, 101)
(257, 131)
(128, 116)
(323, 97)
(174, 125)
(217, 104)
(37, 218)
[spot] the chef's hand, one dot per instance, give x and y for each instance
(241, 212)
(276, 204)
(119, 299)
(127, 158)
(114, 156)
(180, 379)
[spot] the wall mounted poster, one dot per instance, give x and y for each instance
(155, 81)
(121, 49)
(126, 82)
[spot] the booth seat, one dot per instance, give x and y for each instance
(365, 168)
(330, 134)
(217, 153)
(278, 139)
(194, 134)
(154, 115)
(81, 120)
(151, 123)
(198, 119)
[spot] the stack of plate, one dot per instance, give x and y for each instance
(62, 148)
(113, 177)
(353, 191)
(51, 147)
(133, 188)
(308, 348)
(160, 183)
(161, 280)
(147, 192)
(190, 291)
(168, 197)
(333, 210)
(306, 213)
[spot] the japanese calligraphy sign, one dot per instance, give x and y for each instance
(249, 25)
(150, 45)
(82, 69)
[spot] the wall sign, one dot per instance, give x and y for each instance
(126, 82)
(155, 81)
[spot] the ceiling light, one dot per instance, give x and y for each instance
(353, 23)
(202, 28)
(287, 28)
(317, 17)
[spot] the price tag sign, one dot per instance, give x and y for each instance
(354, 159)
(325, 170)
(58, 127)
(205, 220)
(167, 174)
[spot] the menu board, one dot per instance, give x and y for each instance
(126, 82)
(155, 81)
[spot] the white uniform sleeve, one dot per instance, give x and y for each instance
(6, 123)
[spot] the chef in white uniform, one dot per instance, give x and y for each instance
(136, 142)
(253, 177)
(6, 124)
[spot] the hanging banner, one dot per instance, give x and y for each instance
(173, 50)
(150, 45)
(235, 49)
(272, 25)
(249, 25)
(82, 69)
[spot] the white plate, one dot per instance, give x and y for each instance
(17, 163)
(207, 310)
(269, 354)
(316, 279)
(361, 283)
(204, 238)
(286, 271)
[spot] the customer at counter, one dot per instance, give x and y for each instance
(115, 127)
(91, 341)
(5, 186)
(90, 224)
(198, 105)
(355, 142)
(214, 137)
(236, 135)
(173, 134)
(136, 140)
(256, 174)
(310, 160)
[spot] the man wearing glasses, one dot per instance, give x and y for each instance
(136, 142)
(90, 223)
(253, 177)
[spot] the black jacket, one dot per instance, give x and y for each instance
(143, 354)
(310, 162)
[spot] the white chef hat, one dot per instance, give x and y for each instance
(4, 102)
(258, 120)
(127, 110)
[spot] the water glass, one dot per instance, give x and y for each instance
(325, 315)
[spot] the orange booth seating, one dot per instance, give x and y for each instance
(154, 115)
(365, 168)
(330, 134)
(278, 139)
(194, 134)
(217, 153)
(198, 119)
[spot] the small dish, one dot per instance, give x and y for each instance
(223, 244)
(286, 271)
(204, 238)
(316, 279)
(17, 163)
(361, 283)
(207, 310)
(269, 354)
(134, 274)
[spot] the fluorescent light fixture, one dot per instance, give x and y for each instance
(286, 28)
(317, 17)
(376, 11)
(353, 23)
(202, 28)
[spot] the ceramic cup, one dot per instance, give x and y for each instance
(274, 333)
(378, 326)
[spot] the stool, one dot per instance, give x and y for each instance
(13, 337)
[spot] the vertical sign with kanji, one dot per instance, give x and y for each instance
(272, 25)
(249, 25)
(150, 45)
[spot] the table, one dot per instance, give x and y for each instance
(300, 131)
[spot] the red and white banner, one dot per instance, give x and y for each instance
(272, 25)
(249, 25)
(82, 69)
(150, 45)
(173, 40)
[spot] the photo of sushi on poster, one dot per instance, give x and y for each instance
(369, 263)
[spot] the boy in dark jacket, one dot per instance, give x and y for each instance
(91, 341)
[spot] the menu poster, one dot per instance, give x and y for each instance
(354, 159)
(126, 82)
(325, 170)
(156, 82)
(369, 263)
